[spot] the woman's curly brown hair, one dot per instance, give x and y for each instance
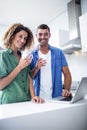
(13, 30)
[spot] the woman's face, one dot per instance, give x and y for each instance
(19, 39)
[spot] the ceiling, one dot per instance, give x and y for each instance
(31, 12)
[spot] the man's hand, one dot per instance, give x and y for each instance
(41, 62)
(66, 93)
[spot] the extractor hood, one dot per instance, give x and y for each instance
(72, 46)
(74, 11)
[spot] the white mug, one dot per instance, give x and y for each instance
(25, 53)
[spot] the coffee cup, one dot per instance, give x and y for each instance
(25, 53)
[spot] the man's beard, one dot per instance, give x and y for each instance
(43, 43)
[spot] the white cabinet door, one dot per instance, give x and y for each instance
(83, 31)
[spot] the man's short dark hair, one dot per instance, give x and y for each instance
(43, 26)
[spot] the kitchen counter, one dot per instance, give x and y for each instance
(50, 115)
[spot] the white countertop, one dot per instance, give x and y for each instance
(50, 115)
(26, 108)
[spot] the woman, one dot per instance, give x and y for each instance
(15, 76)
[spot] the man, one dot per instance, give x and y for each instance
(48, 65)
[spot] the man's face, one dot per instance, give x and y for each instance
(43, 36)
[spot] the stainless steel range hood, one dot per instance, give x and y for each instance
(74, 11)
(72, 46)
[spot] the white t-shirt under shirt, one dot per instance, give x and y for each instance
(46, 77)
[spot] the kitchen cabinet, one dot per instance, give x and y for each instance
(83, 31)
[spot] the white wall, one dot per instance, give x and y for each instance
(2, 30)
(78, 65)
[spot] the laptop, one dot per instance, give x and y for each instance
(78, 95)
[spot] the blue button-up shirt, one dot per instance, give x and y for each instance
(58, 61)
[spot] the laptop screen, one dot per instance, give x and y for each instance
(80, 91)
(79, 94)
